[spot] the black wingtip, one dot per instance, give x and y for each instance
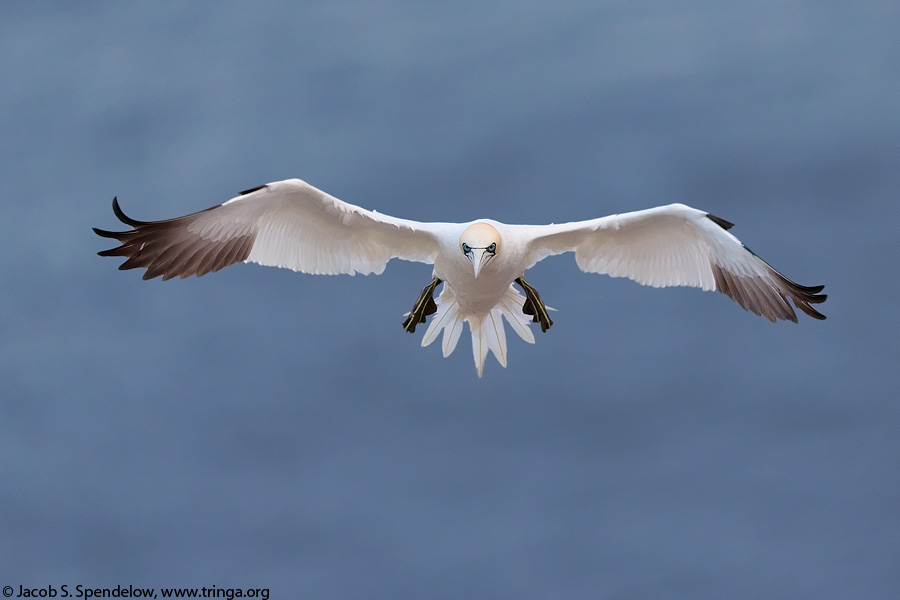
(809, 310)
(120, 214)
(106, 234)
(818, 298)
(253, 189)
(726, 225)
(804, 301)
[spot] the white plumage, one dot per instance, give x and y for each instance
(292, 224)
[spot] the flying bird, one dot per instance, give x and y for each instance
(294, 225)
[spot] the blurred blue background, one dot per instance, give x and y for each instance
(262, 428)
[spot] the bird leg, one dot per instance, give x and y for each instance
(424, 306)
(534, 306)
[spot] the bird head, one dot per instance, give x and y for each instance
(480, 243)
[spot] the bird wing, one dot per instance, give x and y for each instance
(676, 245)
(287, 224)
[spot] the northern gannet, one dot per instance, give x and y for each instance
(294, 225)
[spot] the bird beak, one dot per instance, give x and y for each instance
(479, 258)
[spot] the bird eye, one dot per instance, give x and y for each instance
(492, 248)
(466, 248)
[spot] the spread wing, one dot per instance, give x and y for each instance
(287, 224)
(676, 245)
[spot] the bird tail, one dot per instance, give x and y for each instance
(488, 332)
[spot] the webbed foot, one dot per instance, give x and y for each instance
(534, 306)
(424, 306)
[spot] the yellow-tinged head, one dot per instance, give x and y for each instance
(480, 242)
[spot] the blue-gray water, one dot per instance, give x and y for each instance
(261, 428)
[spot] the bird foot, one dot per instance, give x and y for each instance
(424, 306)
(534, 306)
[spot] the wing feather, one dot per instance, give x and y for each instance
(286, 224)
(676, 245)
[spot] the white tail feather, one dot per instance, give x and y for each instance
(512, 303)
(488, 332)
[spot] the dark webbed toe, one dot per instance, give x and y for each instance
(534, 306)
(423, 307)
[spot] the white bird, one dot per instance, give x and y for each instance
(292, 224)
